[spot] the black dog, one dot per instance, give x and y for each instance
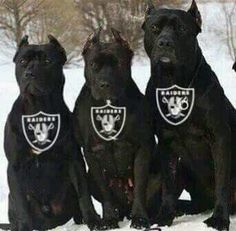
(111, 119)
(46, 174)
(198, 141)
(234, 66)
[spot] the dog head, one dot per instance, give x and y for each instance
(39, 68)
(171, 35)
(107, 65)
(234, 66)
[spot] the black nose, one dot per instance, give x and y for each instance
(104, 85)
(29, 74)
(165, 43)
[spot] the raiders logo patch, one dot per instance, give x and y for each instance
(108, 121)
(41, 130)
(175, 103)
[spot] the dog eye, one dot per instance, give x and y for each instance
(47, 61)
(94, 65)
(23, 61)
(155, 28)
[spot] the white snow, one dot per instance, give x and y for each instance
(215, 52)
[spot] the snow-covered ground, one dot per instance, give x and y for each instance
(215, 52)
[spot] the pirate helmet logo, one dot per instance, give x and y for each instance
(108, 121)
(175, 103)
(41, 130)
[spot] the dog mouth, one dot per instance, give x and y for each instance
(164, 57)
(34, 90)
(165, 60)
(167, 57)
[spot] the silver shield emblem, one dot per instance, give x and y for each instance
(41, 130)
(175, 103)
(108, 121)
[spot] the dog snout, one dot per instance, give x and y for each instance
(165, 43)
(104, 85)
(29, 74)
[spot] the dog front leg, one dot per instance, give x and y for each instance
(79, 181)
(167, 211)
(19, 215)
(141, 173)
(110, 212)
(77, 172)
(221, 153)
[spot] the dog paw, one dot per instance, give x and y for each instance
(94, 222)
(78, 220)
(24, 227)
(139, 223)
(217, 223)
(94, 225)
(109, 224)
(165, 217)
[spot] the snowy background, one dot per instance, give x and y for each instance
(215, 51)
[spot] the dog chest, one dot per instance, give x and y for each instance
(116, 158)
(42, 173)
(189, 140)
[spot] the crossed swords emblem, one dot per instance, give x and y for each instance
(105, 120)
(41, 132)
(108, 123)
(176, 105)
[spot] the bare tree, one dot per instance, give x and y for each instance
(125, 15)
(59, 18)
(38, 18)
(15, 16)
(229, 10)
(71, 21)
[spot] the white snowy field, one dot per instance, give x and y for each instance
(215, 52)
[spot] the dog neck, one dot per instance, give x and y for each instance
(119, 101)
(181, 75)
(47, 103)
(131, 92)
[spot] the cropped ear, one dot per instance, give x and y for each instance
(193, 10)
(234, 66)
(118, 37)
(150, 7)
(24, 42)
(93, 38)
(55, 42)
(120, 40)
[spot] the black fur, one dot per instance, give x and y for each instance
(115, 165)
(202, 145)
(46, 190)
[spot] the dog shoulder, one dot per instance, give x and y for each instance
(14, 117)
(83, 97)
(81, 113)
